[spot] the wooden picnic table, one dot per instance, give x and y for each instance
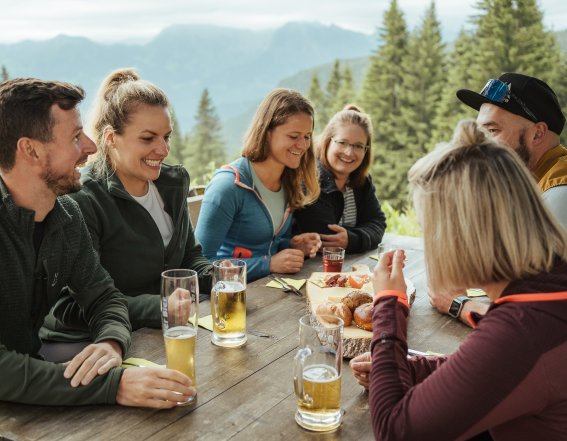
(245, 393)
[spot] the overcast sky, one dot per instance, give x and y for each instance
(130, 20)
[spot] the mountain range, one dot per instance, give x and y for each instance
(237, 66)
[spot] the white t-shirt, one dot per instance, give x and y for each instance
(153, 202)
(556, 200)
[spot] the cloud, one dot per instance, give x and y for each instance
(112, 20)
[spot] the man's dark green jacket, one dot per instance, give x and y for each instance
(28, 289)
(131, 247)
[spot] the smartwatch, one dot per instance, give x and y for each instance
(457, 306)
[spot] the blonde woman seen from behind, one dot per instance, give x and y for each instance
(248, 205)
(484, 224)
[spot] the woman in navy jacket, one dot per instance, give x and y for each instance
(347, 213)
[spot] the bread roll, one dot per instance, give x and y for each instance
(356, 298)
(338, 309)
(363, 316)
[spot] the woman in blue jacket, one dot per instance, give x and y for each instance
(347, 213)
(247, 208)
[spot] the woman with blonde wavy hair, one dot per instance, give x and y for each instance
(347, 213)
(134, 204)
(248, 205)
(484, 224)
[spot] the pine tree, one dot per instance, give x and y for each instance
(424, 75)
(4, 75)
(380, 97)
(317, 98)
(333, 86)
(206, 147)
(176, 143)
(346, 93)
(451, 110)
(510, 37)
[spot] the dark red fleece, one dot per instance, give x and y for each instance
(508, 377)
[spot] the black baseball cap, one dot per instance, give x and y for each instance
(526, 96)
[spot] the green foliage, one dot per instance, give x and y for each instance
(204, 151)
(4, 75)
(424, 72)
(333, 87)
(317, 98)
(380, 97)
(176, 143)
(458, 76)
(402, 222)
(345, 94)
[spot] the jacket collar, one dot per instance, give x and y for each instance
(169, 177)
(548, 160)
(242, 172)
(547, 286)
(326, 179)
(24, 217)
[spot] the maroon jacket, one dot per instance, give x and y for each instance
(508, 377)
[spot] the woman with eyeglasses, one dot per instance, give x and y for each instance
(247, 208)
(347, 213)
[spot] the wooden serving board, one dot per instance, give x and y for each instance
(355, 340)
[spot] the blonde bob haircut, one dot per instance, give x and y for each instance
(350, 115)
(301, 185)
(119, 96)
(482, 216)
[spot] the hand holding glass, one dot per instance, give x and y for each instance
(180, 309)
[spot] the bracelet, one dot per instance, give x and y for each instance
(402, 296)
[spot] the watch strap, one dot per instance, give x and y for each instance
(457, 306)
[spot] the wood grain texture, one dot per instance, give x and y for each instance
(246, 393)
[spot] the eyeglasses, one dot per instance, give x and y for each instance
(357, 147)
(501, 92)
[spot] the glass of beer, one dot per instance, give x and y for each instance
(317, 372)
(228, 303)
(179, 313)
(333, 258)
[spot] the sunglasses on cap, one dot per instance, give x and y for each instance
(500, 92)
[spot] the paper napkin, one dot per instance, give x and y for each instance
(206, 322)
(475, 292)
(138, 362)
(296, 283)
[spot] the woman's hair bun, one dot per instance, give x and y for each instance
(353, 107)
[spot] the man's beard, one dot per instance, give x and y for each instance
(522, 149)
(60, 184)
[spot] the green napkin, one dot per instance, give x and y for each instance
(296, 283)
(138, 362)
(206, 322)
(475, 292)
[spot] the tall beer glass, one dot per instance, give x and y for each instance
(317, 372)
(228, 303)
(179, 313)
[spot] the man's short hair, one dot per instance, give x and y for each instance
(25, 111)
(526, 96)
